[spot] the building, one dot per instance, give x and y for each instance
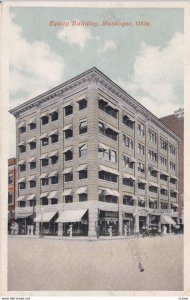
(11, 189)
(88, 154)
(176, 123)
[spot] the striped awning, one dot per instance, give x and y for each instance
(21, 198)
(167, 220)
(53, 110)
(44, 175)
(22, 143)
(141, 198)
(53, 174)
(44, 195)
(164, 173)
(32, 121)
(129, 117)
(103, 147)
(44, 114)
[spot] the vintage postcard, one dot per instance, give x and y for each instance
(92, 151)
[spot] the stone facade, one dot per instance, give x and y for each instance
(143, 139)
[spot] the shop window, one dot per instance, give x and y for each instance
(45, 141)
(83, 174)
(83, 197)
(54, 160)
(44, 201)
(22, 185)
(68, 155)
(54, 201)
(128, 200)
(22, 168)
(45, 120)
(32, 183)
(45, 181)
(107, 176)
(54, 116)
(106, 107)
(32, 165)
(68, 177)
(45, 162)
(82, 104)
(54, 138)
(68, 133)
(83, 151)
(128, 182)
(32, 145)
(54, 180)
(10, 197)
(83, 127)
(10, 178)
(68, 110)
(68, 199)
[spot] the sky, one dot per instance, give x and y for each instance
(146, 61)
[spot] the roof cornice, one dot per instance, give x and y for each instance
(92, 75)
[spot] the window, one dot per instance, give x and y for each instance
(172, 150)
(152, 155)
(54, 138)
(54, 180)
(128, 142)
(173, 180)
(108, 154)
(163, 160)
(164, 177)
(83, 197)
(164, 205)
(22, 129)
(153, 204)
(172, 165)
(152, 172)
(45, 181)
(82, 104)
(152, 137)
(107, 131)
(163, 192)
(141, 185)
(44, 201)
(45, 141)
(127, 162)
(83, 127)
(141, 167)
(173, 194)
(32, 165)
(106, 107)
(141, 129)
(68, 133)
(68, 177)
(83, 151)
(32, 126)
(32, 202)
(128, 182)
(22, 168)
(83, 174)
(22, 185)
(10, 198)
(153, 189)
(45, 120)
(54, 160)
(54, 116)
(68, 155)
(128, 200)
(32, 145)
(128, 122)
(22, 148)
(32, 183)
(21, 203)
(45, 162)
(141, 149)
(68, 199)
(107, 198)
(163, 144)
(54, 201)
(10, 178)
(141, 203)
(107, 176)
(68, 110)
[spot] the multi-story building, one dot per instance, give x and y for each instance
(88, 153)
(11, 188)
(175, 121)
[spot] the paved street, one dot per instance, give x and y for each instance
(36, 264)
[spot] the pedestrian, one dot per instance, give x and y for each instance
(70, 230)
(97, 231)
(125, 230)
(110, 230)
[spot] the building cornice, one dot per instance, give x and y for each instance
(92, 76)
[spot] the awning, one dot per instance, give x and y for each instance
(53, 194)
(43, 136)
(151, 183)
(68, 170)
(175, 205)
(167, 220)
(53, 132)
(43, 156)
(31, 140)
(109, 170)
(67, 192)
(174, 177)
(67, 149)
(110, 192)
(45, 217)
(68, 216)
(141, 180)
(164, 173)
(31, 197)
(53, 174)
(32, 121)
(130, 118)
(21, 198)
(103, 147)
(141, 198)
(68, 104)
(82, 167)
(163, 187)
(21, 162)
(44, 114)
(53, 110)
(22, 124)
(132, 159)
(24, 215)
(152, 200)
(83, 124)
(53, 153)
(31, 178)
(69, 126)
(125, 175)
(82, 190)
(21, 143)
(44, 195)
(22, 180)
(111, 127)
(44, 175)
(174, 191)
(32, 159)
(152, 168)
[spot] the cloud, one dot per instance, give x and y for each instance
(157, 78)
(109, 44)
(34, 68)
(74, 35)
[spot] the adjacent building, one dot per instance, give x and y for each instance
(11, 188)
(88, 154)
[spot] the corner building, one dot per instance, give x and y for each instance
(87, 154)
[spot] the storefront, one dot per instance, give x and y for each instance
(47, 224)
(128, 220)
(107, 220)
(23, 221)
(142, 224)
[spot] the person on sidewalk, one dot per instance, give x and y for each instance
(97, 231)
